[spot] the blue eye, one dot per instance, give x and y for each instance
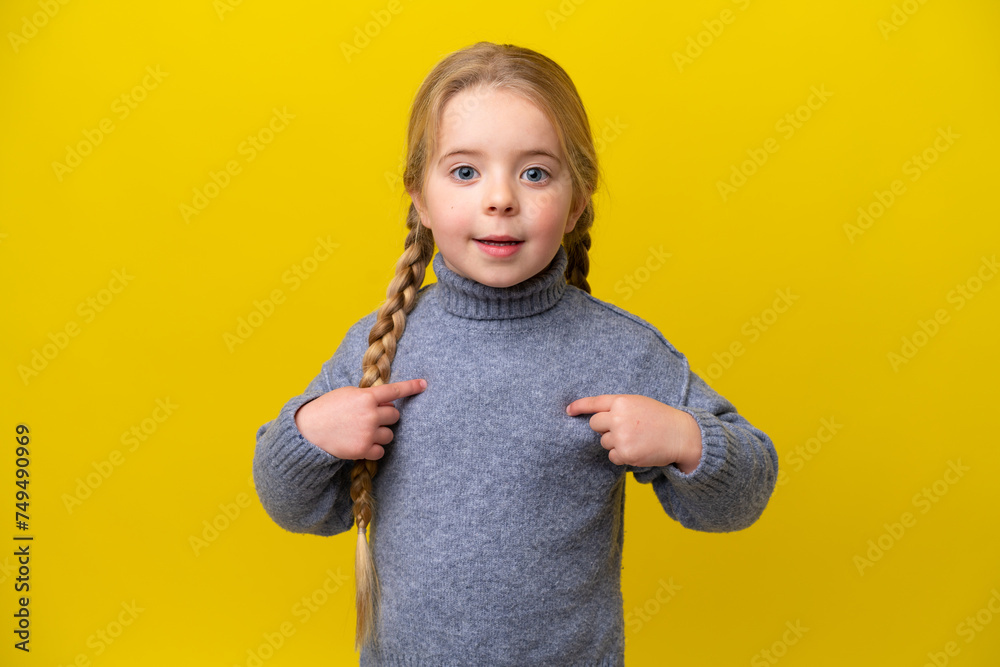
(464, 173)
(536, 174)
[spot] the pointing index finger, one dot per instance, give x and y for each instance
(386, 393)
(590, 405)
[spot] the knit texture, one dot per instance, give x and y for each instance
(498, 525)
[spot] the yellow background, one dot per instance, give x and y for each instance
(670, 133)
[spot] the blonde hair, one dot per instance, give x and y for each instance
(483, 65)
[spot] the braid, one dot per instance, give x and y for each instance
(577, 243)
(418, 250)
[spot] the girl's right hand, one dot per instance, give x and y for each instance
(353, 423)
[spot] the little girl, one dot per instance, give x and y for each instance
(495, 516)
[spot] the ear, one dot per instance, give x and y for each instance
(418, 203)
(575, 214)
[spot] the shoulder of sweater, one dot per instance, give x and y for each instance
(620, 318)
(356, 337)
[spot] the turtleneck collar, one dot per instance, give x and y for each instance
(467, 298)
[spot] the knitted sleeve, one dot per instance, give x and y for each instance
(733, 482)
(303, 488)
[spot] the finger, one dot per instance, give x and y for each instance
(614, 458)
(387, 414)
(375, 453)
(590, 404)
(385, 393)
(608, 441)
(383, 435)
(601, 422)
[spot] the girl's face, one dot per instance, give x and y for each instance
(498, 194)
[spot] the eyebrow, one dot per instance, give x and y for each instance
(531, 151)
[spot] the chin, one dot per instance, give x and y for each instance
(499, 281)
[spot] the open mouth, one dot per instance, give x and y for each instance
(499, 246)
(499, 240)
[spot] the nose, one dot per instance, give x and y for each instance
(500, 197)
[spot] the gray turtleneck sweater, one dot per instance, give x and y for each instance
(498, 528)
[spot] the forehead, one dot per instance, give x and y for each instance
(478, 118)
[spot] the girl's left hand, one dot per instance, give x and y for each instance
(641, 431)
